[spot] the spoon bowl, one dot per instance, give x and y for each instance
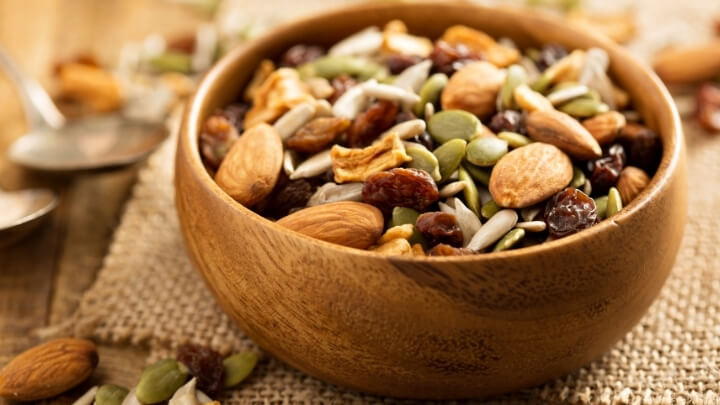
(23, 211)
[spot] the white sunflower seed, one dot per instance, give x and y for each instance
(467, 220)
(484, 195)
(351, 103)
(587, 188)
(594, 75)
(414, 77)
(323, 109)
(451, 189)
(564, 95)
(532, 226)
(453, 176)
(495, 228)
(429, 111)
(290, 159)
(406, 130)
(446, 208)
(294, 119)
(131, 399)
(391, 93)
(314, 166)
(87, 398)
(365, 42)
(530, 213)
(185, 395)
(333, 192)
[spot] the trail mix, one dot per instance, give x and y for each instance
(396, 143)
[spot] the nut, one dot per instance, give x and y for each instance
(529, 175)
(688, 64)
(605, 127)
(619, 26)
(396, 40)
(280, 92)
(530, 100)
(92, 86)
(346, 223)
(48, 369)
(356, 164)
(631, 182)
(404, 231)
(480, 43)
(252, 166)
(261, 74)
(563, 131)
(395, 247)
(473, 88)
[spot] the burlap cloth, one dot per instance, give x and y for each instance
(147, 293)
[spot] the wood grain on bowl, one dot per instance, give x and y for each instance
(450, 327)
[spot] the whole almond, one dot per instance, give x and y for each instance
(473, 88)
(346, 223)
(565, 132)
(688, 64)
(529, 175)
(631, 182)
(605, 127)
(48, 369)
(252, 166)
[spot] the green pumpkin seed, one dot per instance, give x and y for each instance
(584, 107)
(514, 140)
(110, 395)
(614, 202)
(601, 203)
(486, 152)
(160, 381)
(472, 197)
(430, 92)
(402, 216)
(489, 209)
(509, 240)
(237, 367)
(477, 173)
(578, 179)
(423, 159)
(515, 76)
(171, 62)
(449, 156)
(331, 66)
(542, 83)
(452, 124)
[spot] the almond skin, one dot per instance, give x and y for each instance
(605, 127)
(346, 223)
(631, 182)
(48, 369)
(529, 175)
(559, 129)
(252, 166)
(473, 88)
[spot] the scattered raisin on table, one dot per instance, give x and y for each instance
(216, 138)
(183, 43)
(508, 120)
(399, 187)
(642, 146)
(341, 84)
(550, 54)
(569, 211)
(448, 58)
(301, 54)
(316, 135)
(371, 123)
(289, 196)
(604, 172)
(440, 227)
(396, 63)
(708, 106)
(205, 364)
(447, 250)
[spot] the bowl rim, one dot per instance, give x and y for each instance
(671, 154)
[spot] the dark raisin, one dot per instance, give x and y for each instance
(396, 63)
(400, 187)
(205, 364)
(184, 44)
(508, 120)
(371, 123)
(316, 135)
(235, 113)
(447, 250)
(604, 172)
(288, 196)
(341, 84)
(642, 146)
(300, 54)
(550, 54)
(216, 138)
(448, 58)
(425, 140)
(708, 106)
(569, 211)
(440, 227)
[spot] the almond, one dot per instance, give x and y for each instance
(631, 182)
(252, 166)
(481, 43)
(473, 88)
(48, 369)
(346, 223)
(605, 127)
(688, 64)
(559, 129)
(529, 175)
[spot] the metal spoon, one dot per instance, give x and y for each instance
(22, 211)
(56, 145)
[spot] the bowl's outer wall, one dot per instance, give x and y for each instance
(432, 328)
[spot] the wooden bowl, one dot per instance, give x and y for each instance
(451, 327)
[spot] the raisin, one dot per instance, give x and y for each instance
(371, 123)
(410, 188)
(440, 227)
(708, 107)
(569, 211)
(642, 146)
(448, 58)
(425, 140)
(549, 55)
(205, 364)
(185, 44)
(300, 54)
(396, 63)
(317, 134)
(447, 250)
(508, 120)
(604, 172)
(288, 196)
(341, 84)
(235, 113)
(216, 138)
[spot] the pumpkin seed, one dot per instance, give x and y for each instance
(330, 66)
(614, 202)
(563, 94)
(333, 192)
(451, 189)
(578, 179)
(402, 216)
(291, 121)
(515, 76)
(110, 395)
(514, 140)
(530, 213)
(351, 103)
(449, 156)
(486, 152)
(497, 226)
(509, 240)
(423, 159)
(532, 226)
(365, 42)
(584, 107)
(542, 83)
(489, 209)
(171, 62)
(237, 367)
(389, 92)
(602, 204)
(477, 173)
(313, 166)
(452, 124)
(160, 381)
(467, 220)
(406, 130)
(414, 76)
(430, 91)
(470, 192)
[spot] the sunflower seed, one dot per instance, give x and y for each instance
(414, 77)
(365, 42)
(314, 166)
(131, 398)
(565, 94)
(391, 93)
(594, 75)
(497, 226)
(332, 192)
(532, 226)
(320, 87)
(467, 220)
(484, 195)
(323, 109)
(451, 189)
(185, 395)
(407, 129)
(587, 188)
(290, 159)
(294, 119)
(446, 208)
(351, 103)
(87, 398)
(429, 111)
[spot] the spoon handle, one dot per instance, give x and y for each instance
(39, 107)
